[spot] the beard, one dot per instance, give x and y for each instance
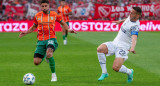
(45, 11)
(132, 19)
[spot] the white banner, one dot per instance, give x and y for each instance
(82, 10)
(32, 10)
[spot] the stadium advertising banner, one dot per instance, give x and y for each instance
(19, 11)
(32, 9)
(109, 26)
(20, 26)
(82, 10)
(103, 11)
(105, 26)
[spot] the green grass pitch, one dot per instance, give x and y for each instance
(77, 63)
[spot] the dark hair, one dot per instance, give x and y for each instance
(138, 10)
(44, 1)
(62, 0)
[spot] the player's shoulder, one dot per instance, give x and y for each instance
(135, 26)
(66, 6)
(39, 13)
(59, 7)
(53, 13)
(137, 23)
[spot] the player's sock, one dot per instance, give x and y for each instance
(66, 34)
(64, 37)
(124, 69)
(102, 62)
(64, 40)
(52, 64)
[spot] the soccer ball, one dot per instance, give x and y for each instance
(29, 79)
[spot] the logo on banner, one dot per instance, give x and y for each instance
(83, 11)
(104, 11)
(157, 10)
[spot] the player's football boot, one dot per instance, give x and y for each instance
(104, 75)
(130, 77)
(65, 41)
(54, 78)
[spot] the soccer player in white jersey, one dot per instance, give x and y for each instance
(124, 43)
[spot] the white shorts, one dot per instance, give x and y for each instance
(114, 49)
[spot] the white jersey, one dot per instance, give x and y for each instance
(128, 28)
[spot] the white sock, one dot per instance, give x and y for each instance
(102, 62)
(124, 69)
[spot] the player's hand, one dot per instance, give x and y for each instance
(22, 34)
(117, 22)
(65, 14)
(132, 51)
(72, 31)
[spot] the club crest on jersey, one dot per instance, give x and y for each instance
(51, 18)
(133, 28)
(39, 18)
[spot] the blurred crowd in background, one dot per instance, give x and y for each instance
(72, 3)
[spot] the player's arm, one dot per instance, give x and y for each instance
(134, 33)
(66, 27)
(133, 45)
(31, 29)
(70, 13)
(119, 21)
(58, 11)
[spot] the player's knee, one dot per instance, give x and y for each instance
(115, 68)
(49, 54)
(36, 62)
(102, 49)
(99, 50)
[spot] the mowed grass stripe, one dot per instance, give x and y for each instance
(147, 47)
(76, 64)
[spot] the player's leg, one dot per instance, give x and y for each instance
(66, 30)
(101, 51)
(118, 66)
(37, 60)
(39, 53)
(51, 47)
(64, 36)
(49, 55)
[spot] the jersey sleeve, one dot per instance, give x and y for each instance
(35, 21)
(69, 9)
(58, 10)
(134, 30)
(58, 18)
